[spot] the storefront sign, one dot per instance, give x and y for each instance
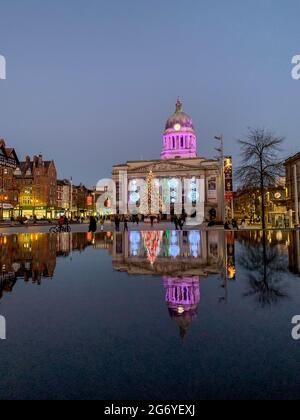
(212, 189)
(89, 200)
(228, 175)
(6, 206)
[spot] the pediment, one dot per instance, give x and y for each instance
(164, 166)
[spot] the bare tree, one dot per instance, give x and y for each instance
(265, 268)
(260, 166)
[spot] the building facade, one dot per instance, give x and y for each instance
(200, 178)
(64, 197)
(8, 187)
(247, 205)
(37, 185)
(292, 168)
(79, 201)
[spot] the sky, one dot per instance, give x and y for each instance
(91, 83)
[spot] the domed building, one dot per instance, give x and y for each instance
(180, 140)
(181, 177)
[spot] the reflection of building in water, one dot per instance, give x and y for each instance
(27, 256)
(190, 253)
(273, 237)
(181, 258)
(294, 252)
(33, 256)
(152, 243)
(182, 298)
(230, 256)
(286, 242)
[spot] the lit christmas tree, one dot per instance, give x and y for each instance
(152, 241)
(150, 200)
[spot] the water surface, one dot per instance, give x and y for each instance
(150, 315)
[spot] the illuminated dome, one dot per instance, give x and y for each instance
(179, 118)
(182, 297)
(179, 141)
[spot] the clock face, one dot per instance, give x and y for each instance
(177, 127)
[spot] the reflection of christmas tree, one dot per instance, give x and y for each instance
(150, 199)
(152, 242)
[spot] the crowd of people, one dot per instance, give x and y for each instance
(122, 222)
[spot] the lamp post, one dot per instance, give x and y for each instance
(221, 157)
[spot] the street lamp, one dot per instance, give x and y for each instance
(221, 157)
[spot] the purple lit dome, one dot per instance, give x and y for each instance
(180, 118)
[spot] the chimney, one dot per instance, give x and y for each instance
(27, 163)
(35, 161)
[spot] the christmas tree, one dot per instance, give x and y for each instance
(150, 199)
(152, 241)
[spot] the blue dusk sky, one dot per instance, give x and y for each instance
(92, 83)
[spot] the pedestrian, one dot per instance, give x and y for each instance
(102, 224)
(117, 224)
(226, 226)
(176, 222)
(235, 224)
(152, 220)
(181, 222)
(93, 225)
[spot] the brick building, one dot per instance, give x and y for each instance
(37, 184)
(79, 201)
(8, 187)
(64, 197)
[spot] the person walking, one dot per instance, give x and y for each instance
(181, 222)
(152, 221)
(93, 225)
(102, 224)
(117, 224)
(176, 222)
(235, 224)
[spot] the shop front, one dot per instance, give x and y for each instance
(6, 211)
(38, 212)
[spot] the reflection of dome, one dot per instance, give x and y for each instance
(179, 118)
(182, 298)
(183, 320)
